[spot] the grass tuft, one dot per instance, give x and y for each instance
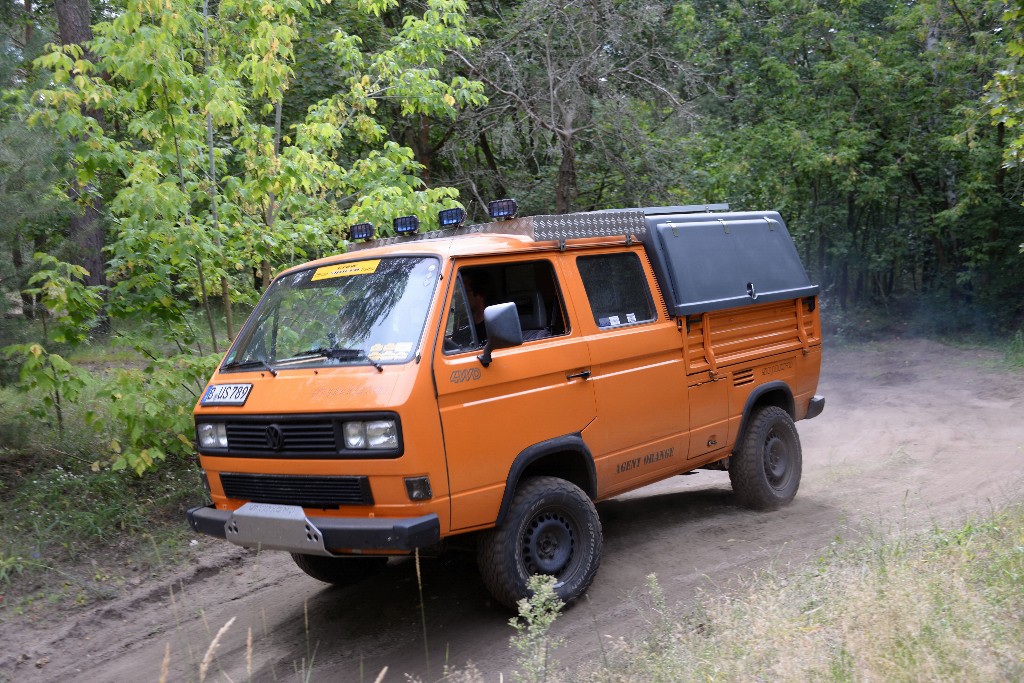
(1015, 350)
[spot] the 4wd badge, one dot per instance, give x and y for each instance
(467, 375)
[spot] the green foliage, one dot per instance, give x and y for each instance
(862, 123)
(73, 305)
(66, 510)
(47, 373)
(1005, 92)
(10, 566)
(145, 414)
(271, 195)
(588, 99)
(536, 615)
(1015, 350)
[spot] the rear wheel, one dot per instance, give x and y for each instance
(340, 571)
(552, 528)
(765, 472)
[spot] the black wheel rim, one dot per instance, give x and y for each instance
(549, 543)
(778, 459)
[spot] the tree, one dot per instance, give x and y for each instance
(204, 182)
(32, 162)
(861, 121)
(271, 196)
(88, 233)
(585, 86)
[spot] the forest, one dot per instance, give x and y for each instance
(160, 160)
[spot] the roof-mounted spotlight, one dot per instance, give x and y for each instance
(407, 225)
(500, 209)
(452, 218)
(361, 231)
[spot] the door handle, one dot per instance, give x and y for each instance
(581, 375)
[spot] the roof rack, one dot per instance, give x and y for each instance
(627, 223)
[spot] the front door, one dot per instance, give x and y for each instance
(528, 394)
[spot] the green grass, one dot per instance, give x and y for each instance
(1015, 350)
(941, 606)
(69, 533)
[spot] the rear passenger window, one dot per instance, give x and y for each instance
(617, 289)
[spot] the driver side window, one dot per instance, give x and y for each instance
(531, 285)
(459, 332)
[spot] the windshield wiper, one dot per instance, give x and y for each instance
(334, 354)
(259, 362)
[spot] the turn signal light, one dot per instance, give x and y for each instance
(418, 488)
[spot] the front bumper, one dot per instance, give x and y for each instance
(286, 527)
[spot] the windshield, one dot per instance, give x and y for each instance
(357, 312)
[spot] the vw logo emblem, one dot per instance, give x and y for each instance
(275, 438)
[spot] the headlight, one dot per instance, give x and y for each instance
(381, 434)
(355, 435)
(375, 434)
(212, 435)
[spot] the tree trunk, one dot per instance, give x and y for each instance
(18, 261)
(87, 232)
(29, 23)
(423, 148)
(270, 214)
(492, 163)
(225, 286)
(73, 21)
(565, 193)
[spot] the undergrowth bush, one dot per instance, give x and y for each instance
(532, 641)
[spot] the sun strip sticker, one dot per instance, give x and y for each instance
(346, 269)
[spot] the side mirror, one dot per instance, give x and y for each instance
(503, 329)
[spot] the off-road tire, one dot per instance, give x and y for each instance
(551, 528)
(340, 571)
(765, 471)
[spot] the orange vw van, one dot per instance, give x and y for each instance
(499, 379)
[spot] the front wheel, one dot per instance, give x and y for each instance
(552, 528)
(340, 571)
(765, 472)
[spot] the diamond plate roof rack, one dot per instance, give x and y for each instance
(628, 223)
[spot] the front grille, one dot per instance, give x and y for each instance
(310, 492)
(307, 438)
(298, 436)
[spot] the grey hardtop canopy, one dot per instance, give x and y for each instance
(711, 261)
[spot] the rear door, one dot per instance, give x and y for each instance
(528, 394)
(638, 373)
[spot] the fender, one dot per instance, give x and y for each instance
(568, 444)
(788, 404)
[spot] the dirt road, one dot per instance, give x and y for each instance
(913, 432)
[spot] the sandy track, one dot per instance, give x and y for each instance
(913, 433)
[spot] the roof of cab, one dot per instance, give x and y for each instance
(446, 247)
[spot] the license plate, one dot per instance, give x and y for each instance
(226, 395)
